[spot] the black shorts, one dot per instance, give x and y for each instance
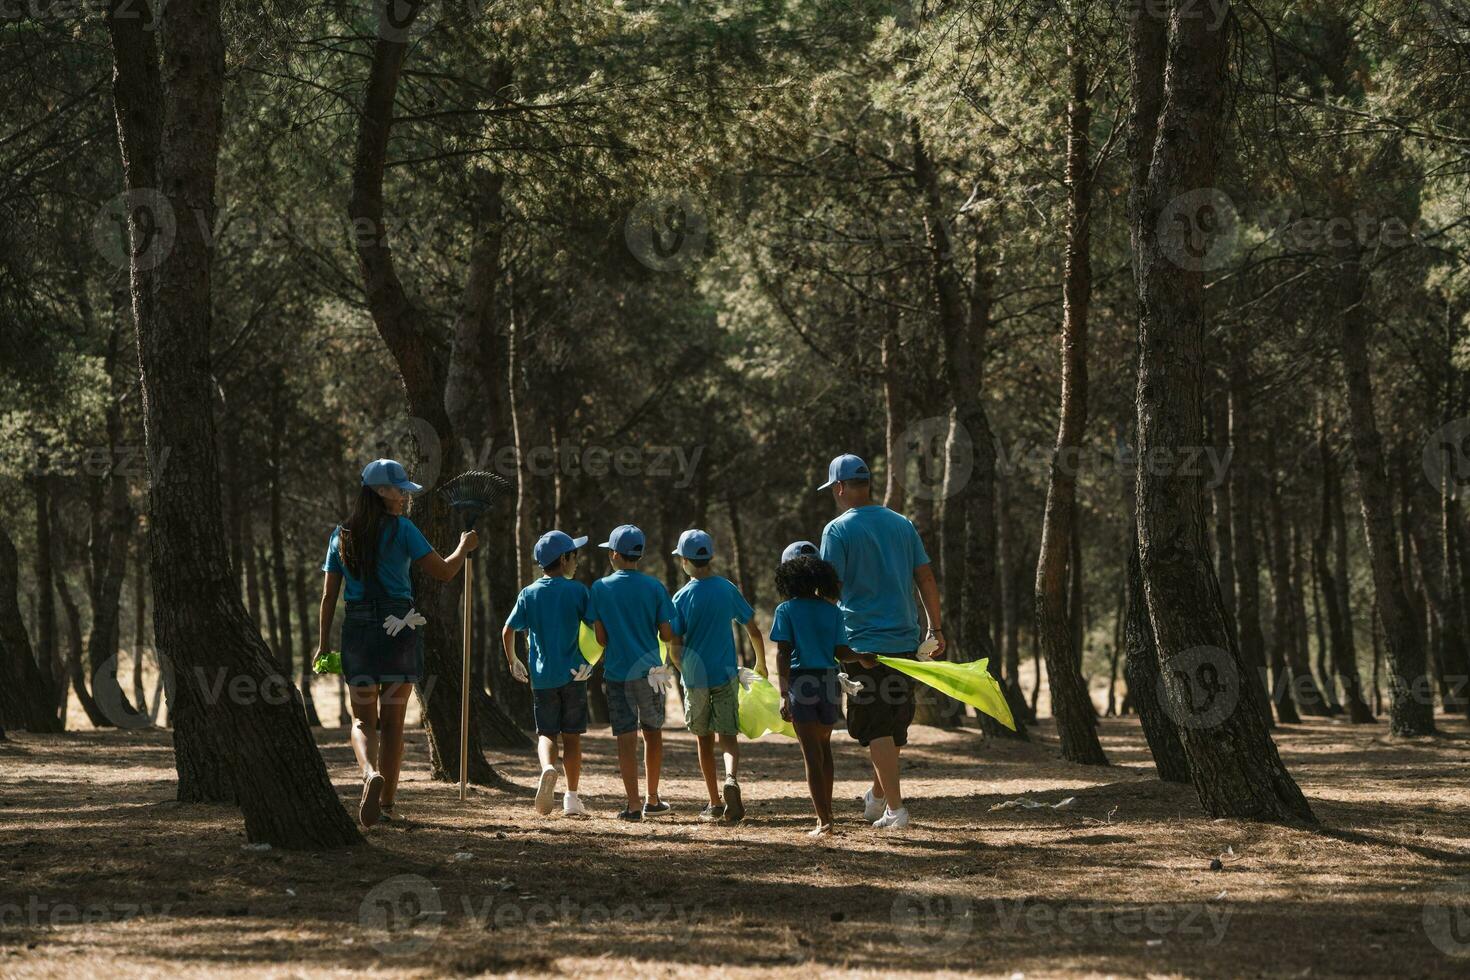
(814, 696)
(885, 708)
(560, 710)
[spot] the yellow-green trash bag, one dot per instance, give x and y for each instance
(760, 711)
(592, 650)
(327, 663)
(971, 683)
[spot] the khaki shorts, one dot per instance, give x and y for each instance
(713, 710)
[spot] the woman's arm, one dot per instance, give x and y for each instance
(445, 569)
(331, 588)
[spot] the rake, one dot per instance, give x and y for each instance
(469, 495)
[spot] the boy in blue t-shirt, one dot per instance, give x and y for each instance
(704, 651)
(551, 611)
(631, 612)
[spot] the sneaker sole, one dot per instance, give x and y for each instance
(369, 808)
(734, 807)
(546, 792)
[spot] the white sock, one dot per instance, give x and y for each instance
(570, 794)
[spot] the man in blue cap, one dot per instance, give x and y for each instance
(551, 610)
(631, 612)
(704, 651)
(880, 562)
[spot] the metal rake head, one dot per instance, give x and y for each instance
(471, 494)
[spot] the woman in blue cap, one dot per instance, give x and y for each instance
(382, 644)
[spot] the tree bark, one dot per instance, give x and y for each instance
(140, 638)
(1070, 703)
(76, 656)
(46, 645)
(1344, 654)
(406, 332)
(169, 102)
(1145, 686)
(26, 700)
(307, 644)
(1242, 531)
(1411, 709)
(1178, 84)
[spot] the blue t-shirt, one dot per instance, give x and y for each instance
(550, 610)
(703, 611)
(630, 606)
(400, 545)
(813, 627)
(876, 552)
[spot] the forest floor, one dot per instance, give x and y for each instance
(102, 874)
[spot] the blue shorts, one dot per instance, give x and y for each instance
(813, 696)
(560, 710)
(634, 704)
(369, 655)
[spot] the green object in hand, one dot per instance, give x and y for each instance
(327, 663)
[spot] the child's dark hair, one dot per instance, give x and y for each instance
(560, 563)
(807, 577)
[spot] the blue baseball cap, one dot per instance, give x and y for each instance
(695, 543)
(553, 544)
(625, 539)
(846, 467)
(798, 548)
(388, 473)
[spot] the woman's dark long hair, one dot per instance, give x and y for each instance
(362, 533)
(807, 577)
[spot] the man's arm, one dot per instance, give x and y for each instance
(929, 596)
(508, 641)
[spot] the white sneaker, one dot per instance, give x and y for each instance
(546, 790)
(895, 820)
(873, 807)
(571, 805)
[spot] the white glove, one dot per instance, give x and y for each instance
(927, 648)
(849, 686)
(659, 678)
(518, 670)
(747, 677)
(582, 673)
(412, 619)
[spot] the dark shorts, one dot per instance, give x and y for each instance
(814, 696)
(560, 710)
(885, 708)
(369, 655)
(633, 704)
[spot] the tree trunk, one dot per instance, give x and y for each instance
(269, 594)
(279, 578)
(1283, 690)
(1242, 529)
(1070, 703)
(26, 700)
(252, 571)
(1344, 654)
(1411, 710)
(1224, 517)
(308, 643)
(964, 333)
(76, 655)
(1145, 685)
(1178, 81)
(169, 106)
(140, 637)
(893, 415)
(46, 646)
(423, 367)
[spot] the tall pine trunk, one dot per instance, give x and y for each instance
(169, 102)
(1178, 86)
